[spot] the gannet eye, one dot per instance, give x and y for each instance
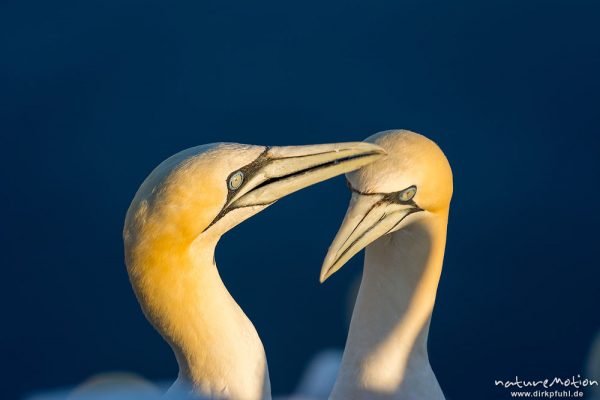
(236, 180)
(408, 194)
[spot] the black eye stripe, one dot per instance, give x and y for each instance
(393, 197)
(247, 171)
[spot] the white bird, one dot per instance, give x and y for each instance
(399, 212)
(171, 229)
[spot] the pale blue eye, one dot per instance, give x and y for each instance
(236, 180)
(407, 194)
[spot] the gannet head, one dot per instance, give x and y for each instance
(413, 180)
(206, 190)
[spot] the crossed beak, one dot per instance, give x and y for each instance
(369, 217)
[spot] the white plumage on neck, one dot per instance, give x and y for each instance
(386, 351)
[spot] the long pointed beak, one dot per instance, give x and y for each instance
(368, 218)
(284, 170)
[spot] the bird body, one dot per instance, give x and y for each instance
(399, 212)
(171, 230)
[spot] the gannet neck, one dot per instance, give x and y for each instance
(386, 351)
(218, 350)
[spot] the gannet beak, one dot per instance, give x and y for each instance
(368, 218)
(279, 171)
(284, 170)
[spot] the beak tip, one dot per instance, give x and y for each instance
(325, 274)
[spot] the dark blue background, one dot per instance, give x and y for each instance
(94, 94)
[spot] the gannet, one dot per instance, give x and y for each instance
(399, 212)
(171, 229)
